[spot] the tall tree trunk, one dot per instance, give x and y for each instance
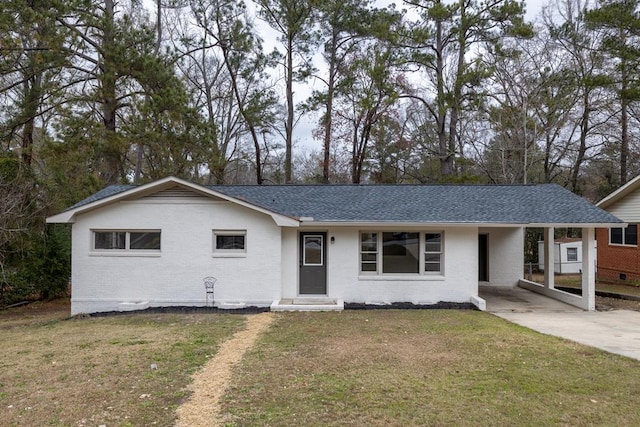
(443, 143)
(109, 101)
(624, 143)
(328, 117)
(32, 96)
(582, 150)
(243, 112)
(289, 123)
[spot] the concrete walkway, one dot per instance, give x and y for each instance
(616, 331)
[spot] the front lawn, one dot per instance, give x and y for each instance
(430, 367)
(379, 367)
(97, 371)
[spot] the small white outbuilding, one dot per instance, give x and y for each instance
(567, 255)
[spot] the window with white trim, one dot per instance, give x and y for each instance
(401, 252)
(230, 241)
(433, 252)
(124, 240)
(572, 254)
(624, 236)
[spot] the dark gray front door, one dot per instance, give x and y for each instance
(313, 264)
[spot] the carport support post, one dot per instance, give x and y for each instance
(588, 269)
(549, 258)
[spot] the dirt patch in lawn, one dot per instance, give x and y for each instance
(606, 304)
(210, 383)
(38, 312)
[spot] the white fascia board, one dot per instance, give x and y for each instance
(69, 216)
(580, 225)
(61, 218)
(619, 193)
(387, 224)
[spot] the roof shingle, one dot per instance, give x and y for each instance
(484, 204)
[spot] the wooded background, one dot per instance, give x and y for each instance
(99, 92)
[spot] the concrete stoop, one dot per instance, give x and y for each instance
(308, 304)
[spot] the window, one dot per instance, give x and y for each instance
(229, 241)
(313, 250)
(126, 240)
(624, 236)
(572, 254)
(401, 252)
(433, 252)
(369, 252)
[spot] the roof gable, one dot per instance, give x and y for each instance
(624, 202)
(164, 188)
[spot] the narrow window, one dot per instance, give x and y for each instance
(615, 235)
(631, 235)
(433, 253)
(369, 252)
(572, 254)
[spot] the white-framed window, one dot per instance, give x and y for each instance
(401, 252)
(126, 240)
(624, 236)
(230, 242)
(572, 254)
(313, 254)
(433, 253)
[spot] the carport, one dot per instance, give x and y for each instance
(587, 298)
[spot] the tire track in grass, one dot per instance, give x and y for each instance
(209, 384)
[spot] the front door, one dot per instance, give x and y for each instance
(313, 264)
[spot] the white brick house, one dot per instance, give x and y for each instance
(296, 247)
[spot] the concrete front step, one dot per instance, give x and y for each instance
(308, 304)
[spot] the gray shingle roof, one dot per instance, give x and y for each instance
(519, 204)
(485, 204)
(111, 190)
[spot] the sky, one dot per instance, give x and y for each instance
(302, 133)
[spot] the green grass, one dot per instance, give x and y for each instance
(427, 368)
(98, 370)
(384, 367)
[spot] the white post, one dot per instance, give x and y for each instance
(549, 257)
(588, 269)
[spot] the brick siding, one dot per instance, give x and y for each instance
(614, 260)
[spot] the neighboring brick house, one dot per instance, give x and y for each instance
(618, 253)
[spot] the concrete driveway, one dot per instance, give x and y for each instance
(615, 331)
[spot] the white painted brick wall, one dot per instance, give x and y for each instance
(506, 255)
(269, 271)
(458, 284)
(101, 283)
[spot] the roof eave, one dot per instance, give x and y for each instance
(455, 224)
